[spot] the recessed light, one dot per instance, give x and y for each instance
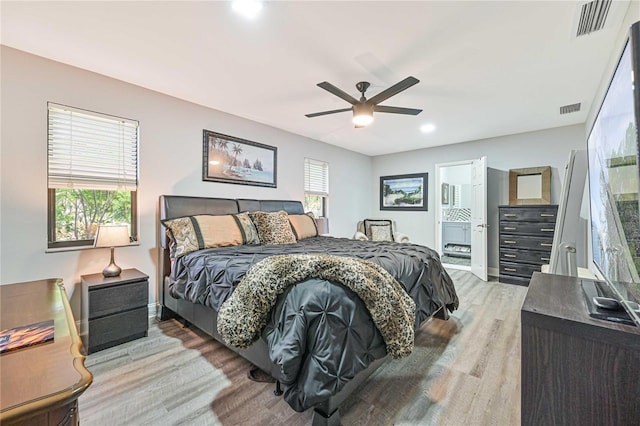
(247, 8)
(427, 128)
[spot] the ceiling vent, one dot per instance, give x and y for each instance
(568, 109)
(592, 16)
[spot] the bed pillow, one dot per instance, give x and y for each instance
(191, 233)
(303, 225)
(380, 233)
(273, 228)
(248, 229)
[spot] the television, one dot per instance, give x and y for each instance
(613, 151)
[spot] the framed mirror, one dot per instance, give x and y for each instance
(530, 186)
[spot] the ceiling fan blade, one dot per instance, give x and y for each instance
(396, 110)
(317, 114)
(393, 90)
(339, 93)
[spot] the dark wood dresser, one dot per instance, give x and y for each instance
(41, 384)
(526, 237)
(115, 309)
(576, 370)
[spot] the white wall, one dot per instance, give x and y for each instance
(542, 148)
(170, 163)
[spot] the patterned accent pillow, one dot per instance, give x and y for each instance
(303, 225)
(273, 228)
(193, 233)
(369, 222)
(248, 229)
(381, 233)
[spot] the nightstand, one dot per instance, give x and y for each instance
(114, 309)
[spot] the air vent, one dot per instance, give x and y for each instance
(568, 109)
(593, 16)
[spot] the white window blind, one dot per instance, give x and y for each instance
(316, 177)
(88, 150)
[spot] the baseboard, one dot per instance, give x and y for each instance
(153, 308)
(493, 272)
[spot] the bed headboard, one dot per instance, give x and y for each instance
(172, 206)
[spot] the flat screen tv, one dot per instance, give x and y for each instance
(613, 149)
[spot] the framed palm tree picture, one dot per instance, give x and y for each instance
(229, 159)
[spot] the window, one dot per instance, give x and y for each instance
(92, 171)
(316, 186)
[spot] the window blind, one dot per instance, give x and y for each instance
(316, 177)
(88, 150)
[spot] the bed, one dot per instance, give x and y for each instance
(323, 334)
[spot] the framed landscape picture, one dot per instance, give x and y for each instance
(229, 159)
(404, 192)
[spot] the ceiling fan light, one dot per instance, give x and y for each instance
(362, 115)
(362, 120)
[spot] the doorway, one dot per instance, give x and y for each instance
(461, 236)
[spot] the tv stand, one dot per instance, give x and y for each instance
(576, 369)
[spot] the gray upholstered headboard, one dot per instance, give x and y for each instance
(172, 206)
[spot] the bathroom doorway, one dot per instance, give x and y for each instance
(461, 215)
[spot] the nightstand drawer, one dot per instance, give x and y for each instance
(118, 328)
(107, 300)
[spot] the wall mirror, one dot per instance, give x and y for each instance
(530, 186)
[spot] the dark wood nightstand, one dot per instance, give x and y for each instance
(114, 309)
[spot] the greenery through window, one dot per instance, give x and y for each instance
(78, 212)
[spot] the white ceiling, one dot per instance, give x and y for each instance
(485, 68)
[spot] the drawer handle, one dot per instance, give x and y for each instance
(544, 258)
(509, 228)
(510, 269)
(509, 242)
(547, 215)
(546, 245)
(510, 255)
(510, 215)
(546, 230)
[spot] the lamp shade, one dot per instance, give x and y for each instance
(112, 236)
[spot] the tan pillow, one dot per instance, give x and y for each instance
(303, 225)
(193, 233)
(273, 228)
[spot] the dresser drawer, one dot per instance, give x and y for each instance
(525, 256)
(527, 228)
(526, 242)
(518, 269)
(117, 328)
(108, 299)
(531, 214)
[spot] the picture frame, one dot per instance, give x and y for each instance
(407, 192)
(229, 159)
(445, 194)
(530, 185)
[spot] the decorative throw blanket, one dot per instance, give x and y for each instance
(245, 313)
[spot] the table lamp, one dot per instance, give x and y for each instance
(112, 236)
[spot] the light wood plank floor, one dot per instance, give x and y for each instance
(464, 371)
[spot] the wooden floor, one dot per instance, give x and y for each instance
(464, 371)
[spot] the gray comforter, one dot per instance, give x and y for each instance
(320, 334)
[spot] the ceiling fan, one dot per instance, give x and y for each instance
(363, 109)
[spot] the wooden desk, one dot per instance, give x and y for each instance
(41, 384)
(576, 370)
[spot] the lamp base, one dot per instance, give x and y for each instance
(112, 270)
